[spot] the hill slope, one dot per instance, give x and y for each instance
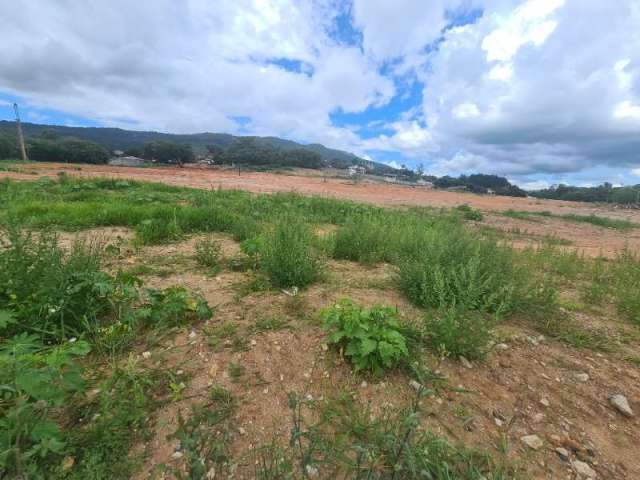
(120, 139)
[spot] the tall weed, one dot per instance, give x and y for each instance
(287, 255)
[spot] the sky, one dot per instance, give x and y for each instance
(540, 91)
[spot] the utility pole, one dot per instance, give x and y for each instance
(20, 136)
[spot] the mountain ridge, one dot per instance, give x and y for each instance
(115, 138)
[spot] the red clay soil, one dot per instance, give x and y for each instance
(586, 238)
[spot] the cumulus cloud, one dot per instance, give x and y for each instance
(514, 87)
(535, 89)
(188, 66)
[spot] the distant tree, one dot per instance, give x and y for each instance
(8, 147)
(167, 152)
(420, 169)
(68, 150)
(215, 151)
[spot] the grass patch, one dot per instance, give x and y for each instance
(604, 222)
(346, 440)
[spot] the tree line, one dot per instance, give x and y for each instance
(605, 193)
(481, 183)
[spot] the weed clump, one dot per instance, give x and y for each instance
(208, 252)
(468, 213)
(287, 255)
(371, 339)
(455, 332)
(453, 268)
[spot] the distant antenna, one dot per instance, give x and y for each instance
(20, 136)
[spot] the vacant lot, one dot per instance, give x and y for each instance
(158, 331)
(587, 238)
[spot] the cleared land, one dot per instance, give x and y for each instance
(587, 238)
(506, 343)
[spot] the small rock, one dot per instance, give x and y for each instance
(532, 441)
(312, 472)
(502, 346)
(538, 417)
(146, 354)
(465, 363)
(364, 384)
(563, 453)
(620, 403)
(583, 469)
(192, 334)
(582, 377)
(68, 462)
(325, 347)
(498, 422)
(177, 455)
(242, 431)
(415, 385)
(179, 372)
(545, 401)
(253, 343)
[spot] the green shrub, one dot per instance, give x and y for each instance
(208, 252)
(371, 338)
(35, 381)
(287, 256)
(450, 267)
(457, 332)
(175, 306)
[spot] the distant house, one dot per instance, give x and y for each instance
(457, 188)
(424, 183)
(118, 153)
(127, 162)
(354, 170)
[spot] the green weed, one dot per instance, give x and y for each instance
(287, 256)
(208, 252)
(371, 339)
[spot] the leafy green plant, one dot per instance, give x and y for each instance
(287, 256)
(35, 381)
(175, 306)
(208, 252)
(59, 294)
(371, 338)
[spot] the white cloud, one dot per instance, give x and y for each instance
(635, 172)
(401, 27)
(190, 66)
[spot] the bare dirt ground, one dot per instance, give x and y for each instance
(528, 385)
(586, 238)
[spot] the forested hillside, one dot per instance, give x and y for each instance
(120, 139)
